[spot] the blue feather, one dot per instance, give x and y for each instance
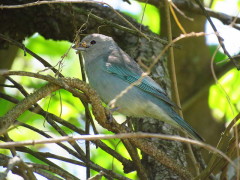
(153, 89)
(110, 70)
(145, 85)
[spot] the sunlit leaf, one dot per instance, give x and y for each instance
(5, 106)
(49, 47)
(150, 17)
(226, 105)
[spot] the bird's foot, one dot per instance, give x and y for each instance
(109, 118)
(114, 109)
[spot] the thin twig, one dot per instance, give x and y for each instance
(180, 12)
(176, 20)
(220, 39)
(120, 136)
(144, 9)
(222, 144)
(63, 122)
(148, 69)
(100, 115)
(171, 59)
(191, 7)
(45, 160)
(88, 117)
(70, 1)
(173, 73)
(25, 49)
(141, 171)
(27, 172)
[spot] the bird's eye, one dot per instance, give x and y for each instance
(93, 42)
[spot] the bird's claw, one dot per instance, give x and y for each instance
(114, 109)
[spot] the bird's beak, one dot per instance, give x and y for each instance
(81, 47)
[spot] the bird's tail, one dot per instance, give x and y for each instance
(184, 125)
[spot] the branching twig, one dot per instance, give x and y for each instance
(220, 39)
(189, 6)
(100, 115)
(25, 49)
(127, 163)
(69, 1)
(120, 136)
(173, 72)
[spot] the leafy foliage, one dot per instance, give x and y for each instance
(224, 99)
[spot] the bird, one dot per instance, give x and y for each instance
(110, 71)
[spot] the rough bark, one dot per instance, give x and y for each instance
(7, 57)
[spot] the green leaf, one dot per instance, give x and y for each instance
(219, 55)
(40, 45)
(150, 17)
(224, 99)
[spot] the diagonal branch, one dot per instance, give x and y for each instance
(98, 110)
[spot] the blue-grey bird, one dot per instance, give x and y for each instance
(110, 71)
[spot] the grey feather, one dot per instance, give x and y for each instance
(110, 71)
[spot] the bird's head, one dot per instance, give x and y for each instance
(95, 44)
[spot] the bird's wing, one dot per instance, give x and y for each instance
(147, 84)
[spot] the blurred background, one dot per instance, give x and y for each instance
(214, 105)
